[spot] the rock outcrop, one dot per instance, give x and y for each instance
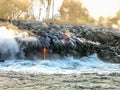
(69, 40)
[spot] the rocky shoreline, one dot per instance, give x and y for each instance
(69, 40)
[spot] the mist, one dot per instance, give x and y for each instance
(9, 43)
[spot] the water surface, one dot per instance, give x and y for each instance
(69, 65)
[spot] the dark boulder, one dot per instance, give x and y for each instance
(82, 41)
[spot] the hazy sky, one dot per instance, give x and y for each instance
(99, 8)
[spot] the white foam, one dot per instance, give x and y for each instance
(67, 66)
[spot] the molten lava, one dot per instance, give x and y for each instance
(44, 52)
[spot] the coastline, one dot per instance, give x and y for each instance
(61, 40)
(83, 41)
(19, 81)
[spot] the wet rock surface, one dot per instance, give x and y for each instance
(69, 40)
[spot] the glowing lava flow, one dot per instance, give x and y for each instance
(44, 52)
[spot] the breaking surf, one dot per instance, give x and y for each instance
(68, 65)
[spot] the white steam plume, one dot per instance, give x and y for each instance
(8, 44)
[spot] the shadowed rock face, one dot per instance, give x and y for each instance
(80, 41)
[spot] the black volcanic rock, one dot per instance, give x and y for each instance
(82, 41)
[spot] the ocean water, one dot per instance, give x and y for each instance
(68, 65)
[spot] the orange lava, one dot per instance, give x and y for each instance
(45, 52)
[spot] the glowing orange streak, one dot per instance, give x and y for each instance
(44, 51)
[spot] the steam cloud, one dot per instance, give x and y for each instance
(8, 44)
(11, 40)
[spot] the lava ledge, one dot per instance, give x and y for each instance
(70, 40)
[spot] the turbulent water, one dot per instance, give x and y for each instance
(69, 65)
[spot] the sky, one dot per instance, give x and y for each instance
(99, 8)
